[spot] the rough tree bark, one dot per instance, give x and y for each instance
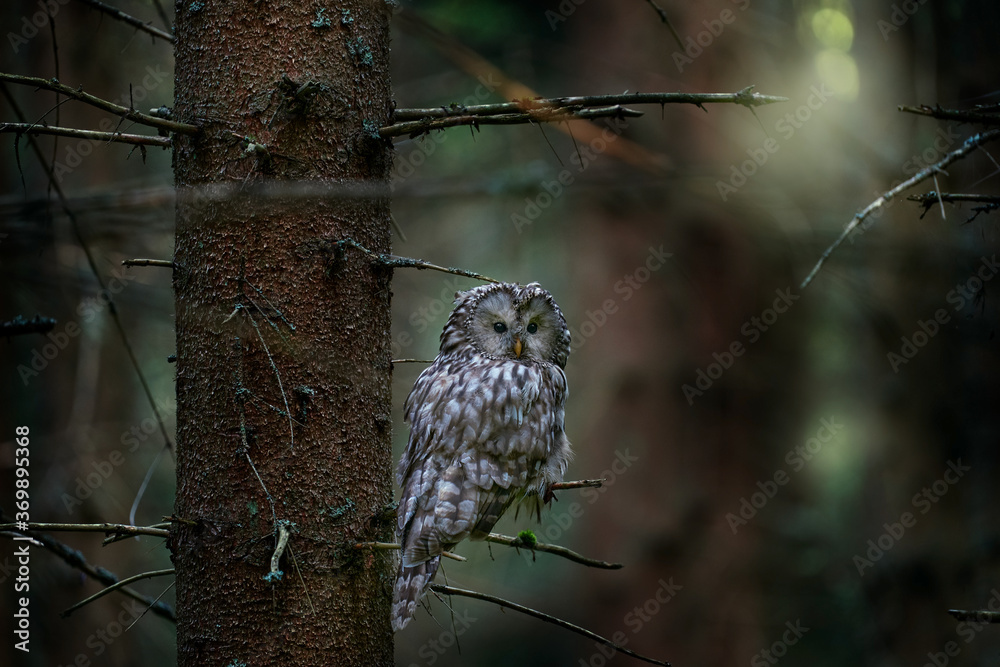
(279, 338)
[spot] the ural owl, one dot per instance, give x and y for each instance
(486, 428)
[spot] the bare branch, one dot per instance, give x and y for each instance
(417, 121)
(165, 263)
(131, 20)
(555, 549)
(390, 546)
(106, 528)
(979, 615)
(666, 20)
(396, 262)
(412, 361)
(75, 559)
(544, 115)
(970, 144)
(115, 586)
(20, 326)
(448, 590)
(952, 114)
(745, 97)
(931, 198)
(579, 484)
(136, 139)
(111, 107)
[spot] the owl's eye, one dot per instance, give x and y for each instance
(532, 328)
(500, 327)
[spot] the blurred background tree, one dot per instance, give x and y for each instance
(641, 334)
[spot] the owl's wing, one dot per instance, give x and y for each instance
(481, 436)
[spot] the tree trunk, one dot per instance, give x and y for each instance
(282, 343)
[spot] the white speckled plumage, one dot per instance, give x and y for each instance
(486, 427)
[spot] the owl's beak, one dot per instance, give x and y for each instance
(517, 346)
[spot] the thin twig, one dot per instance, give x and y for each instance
(20, 326)
(94, 135)
(305, 589)
(165, 263)
(115, 586)
(418, 121)
(111, 107)
(666, 19)
(578, 484)
(980, 615)
(745, 97)
(555, 549)
(448, 590)
(989, 203)
(118, 537)
(931, 198)
(162, 13)
(542, 115)
(952, 114)
(145, 484)
(131, 20)
(106, 528)
(412, 361)
(390, 546)
(274, 366)
(155, 601)
(970, 144)
(396, 262)
(75, 559)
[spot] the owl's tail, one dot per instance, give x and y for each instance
(411, 584)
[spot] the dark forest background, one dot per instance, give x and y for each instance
(667, 250)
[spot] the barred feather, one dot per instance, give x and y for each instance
(486, 428)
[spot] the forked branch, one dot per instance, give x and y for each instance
(104, 105)
(970, 145)
(418, 121)
(94, 135)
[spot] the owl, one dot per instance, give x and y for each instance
(486, 428)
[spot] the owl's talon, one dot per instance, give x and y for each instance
(549, 496)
